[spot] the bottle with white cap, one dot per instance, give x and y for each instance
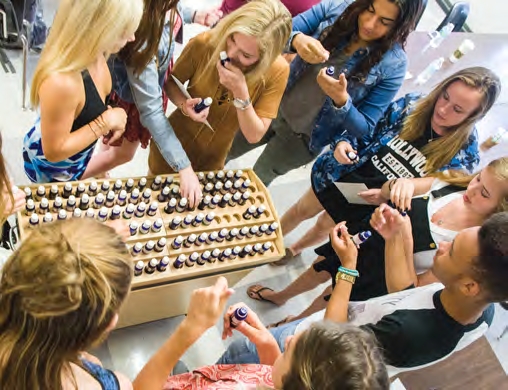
(222, 235)
(175, 223)
(215, 255)
(34, 220)
(209, 218)
(67, 190)
(84, 202)
(266, 247)
(192, 259)
(99, 201)
(76, 213)
(163, 195)
(138, 268)
(48, 217)
(198, 220)
(129, 185)
(129, 211)
(110, 199)
(180, 261)
(105, 186)
(225, 255)
(134, 198)
(117, 187)
(57, 204)
(44, 206)
(151, 266)
(189, 241)
(152, 209)
(361, 237)
(163, 264)
(147, 195)
(121, 200)
(203, 104)
(137, 248)
(140, 210)
(465, 47)
(187, 221)
(133, 228)
(177, 242)
(157, 225)
(156, 184)
(211, 238)
(247, 214)
(62, 214)
(161, 244)
(145, 226)
(115, 213)
(28, 193)
(90, 213)
(238, 316)
(171, 206)
(205, 202)
(53, 192)
(71, 203)
(182, 205)
(149, 246)
(29, 207)
(92, 188)
(142, 183)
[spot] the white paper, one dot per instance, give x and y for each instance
(187, 95)
(397, 385)
(351, 190)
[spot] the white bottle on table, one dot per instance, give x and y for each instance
(427, 73)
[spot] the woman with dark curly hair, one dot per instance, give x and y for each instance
(363, 41)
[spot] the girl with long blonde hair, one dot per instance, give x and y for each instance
(70, 86)
(62, 290)
(417, 137)
(246, 89)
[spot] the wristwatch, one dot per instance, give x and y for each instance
(241, 104)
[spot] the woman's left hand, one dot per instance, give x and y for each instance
(336, 89)
(373, 196)
(233, 79)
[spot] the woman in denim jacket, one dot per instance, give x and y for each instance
(363, 40)
(417, 137)
(139, 71)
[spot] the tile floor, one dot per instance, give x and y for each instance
(128, 349)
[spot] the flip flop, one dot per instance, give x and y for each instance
(256, 294)
(286, 320)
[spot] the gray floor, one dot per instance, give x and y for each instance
(128, 349)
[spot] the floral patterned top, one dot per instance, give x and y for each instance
(327, 169)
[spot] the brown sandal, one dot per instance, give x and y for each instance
(286, 320)
(254, 292)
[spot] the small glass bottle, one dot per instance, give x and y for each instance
(182, 205)
(134, 198)
(210, 177)
(208, 188)
(77, 213)
(168, 181)
(171, 206)
(205, 202)
(133, 228)
(198, 220)
(259, 211)
(44, 206)
(105, 187)
(71, 203)
(129, 185)
(29, 207)
(266, 247)
(224, 202)
(263, 229)
(230, 175)
(62, 215)
(161, 244)
(142, 183)
(99, 201)
(215, 255)
(237, 196)
(117, 187)
(211, 238)
(121, 200)
(140, 210)
(151, 266)
(92, 188)
(175, 192)
(247, 249)
(67, 190)
(187, 221)
(215, 201)
(235, 252)
(243, 232)
(84, 202)
(237, 185)
(209, 218)
(163, 264)
(34, 220)
(180, 261)
(238, 316)
(222, 235)
(157, 225)
(145, 227)
(205, 257)
(147, 195)
(238, 174)
(90, 213)
(152, 209)
(137, 248)
(110, 199)
(80, 190)
(201, 239)
(175, 223)
(191, 240)
(129, 211)
(256, 248)
(225, 255)
(41, 193)
(163, 195)
(228, 187)
(47, 218)
(156, 184)
(253, 231)
(232, 234)
(218, 187)
(177, 242)
(149, 246)
(28, 193)
(272, 228)
(247, 214)
(115, 213)
(53, 192)
(103, 214)
(245, 198)
(138, 268)
(192, 259)
(245, 185)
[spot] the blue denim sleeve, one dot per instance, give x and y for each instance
(186, 13)
(147, 95)
(308, 22)
(361, 120)
(467, 158)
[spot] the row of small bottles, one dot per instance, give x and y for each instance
(208, 202)
(201, 259)
(130, 185)
(198, 240)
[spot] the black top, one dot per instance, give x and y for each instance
(94, 106)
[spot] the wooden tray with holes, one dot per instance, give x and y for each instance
(228, 217)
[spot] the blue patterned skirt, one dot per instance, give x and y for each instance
(40, 170)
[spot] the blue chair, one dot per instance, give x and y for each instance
(457, 15)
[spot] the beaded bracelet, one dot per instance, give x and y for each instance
(348, 271)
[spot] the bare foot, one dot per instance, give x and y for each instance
(268, 295)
